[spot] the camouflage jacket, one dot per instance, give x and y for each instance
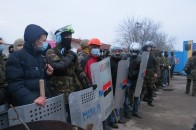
(68, 75)
(81, 56)
(190, 65)
(2, 70)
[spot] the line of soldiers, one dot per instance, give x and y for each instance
(64, 71)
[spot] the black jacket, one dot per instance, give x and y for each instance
(114, 70)
(25, 68)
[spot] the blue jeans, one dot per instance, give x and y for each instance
(165, 76)
(136, 105)
(131, 105)
(111, 118)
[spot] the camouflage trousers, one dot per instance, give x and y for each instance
(193, 75)
(148, 87)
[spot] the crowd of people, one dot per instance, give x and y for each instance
(64, 71)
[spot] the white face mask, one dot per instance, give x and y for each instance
(133, 53)
(95, 52)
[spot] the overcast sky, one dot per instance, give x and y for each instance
(97, 18)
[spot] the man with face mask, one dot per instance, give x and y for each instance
(68, 75)
(151, 73)
(93, 57)
(134, 67)
(116, 56)
(26, 67)
(3, 87)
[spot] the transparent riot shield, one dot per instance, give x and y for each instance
(121, 81)
(54, 110)
(85, 108)
(101, 75)
(140, 80)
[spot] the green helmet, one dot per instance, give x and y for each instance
(64, 30)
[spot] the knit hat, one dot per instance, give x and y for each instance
(17, 42)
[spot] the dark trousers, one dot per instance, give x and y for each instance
(172, 71)
(68, 113)
(188, 85)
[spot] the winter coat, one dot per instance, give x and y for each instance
(25, 68)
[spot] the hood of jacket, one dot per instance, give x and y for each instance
(31, 34)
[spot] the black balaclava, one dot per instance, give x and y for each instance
(166, 54)
(66, 42)
(11, 48)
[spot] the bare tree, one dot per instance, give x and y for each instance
(143, 30)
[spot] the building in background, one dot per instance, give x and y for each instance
(182, 56)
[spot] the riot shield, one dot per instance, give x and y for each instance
(85, 108)
(101, 75)
(121, 81)
(140, 80)
(54, 110)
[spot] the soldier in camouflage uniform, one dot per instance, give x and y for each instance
(190, 69)
(85, 50)
(158, 79)
(166, 69)
(68, 75)
(2, 73)
(151, 73)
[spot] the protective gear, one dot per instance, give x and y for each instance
(135, 48)
(96, 52)
(11, 48)
(63, 31)
(42, 48)
(114, 48)
(147, 45)
(84, 43)
(66, 43)
(94, 41)
(2, 47)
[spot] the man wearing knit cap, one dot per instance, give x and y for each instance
(85, 50)
(18, 44)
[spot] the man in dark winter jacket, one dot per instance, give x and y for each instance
(26, 67)
(116, 56)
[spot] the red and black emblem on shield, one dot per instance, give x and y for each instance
(107, 88)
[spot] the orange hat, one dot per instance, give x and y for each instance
(94, 41)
